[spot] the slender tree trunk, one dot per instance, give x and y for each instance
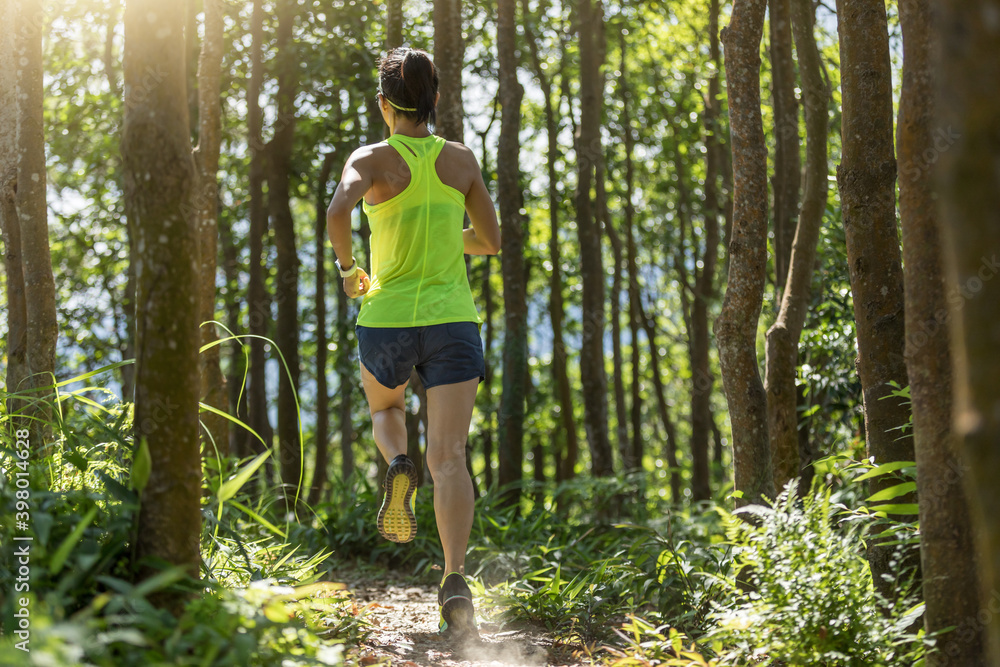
(704, 284)
(32, 213)
(515, 346)
(632, 270)
(787, 163)
(345, 374)
(213, 385)
(394, 24)
(17, 329)
(560, 359)
(589, 153)
(736, 327)
(155, 139)
(287, 283)
(661, 401)
(322, 391)
(967, 142)
(783, 336)
(258, 304)
(866, 178)
(239, 437)
(487, 433)
(449, 53)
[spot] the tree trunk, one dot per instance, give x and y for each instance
(286, 291)
(32, 213)
(213, 385)
(487, 433)
(736, 327)
(560, 358)
(239, 437)
(515, 346)
(258, 305)
(449, 53)
(787, 163)
(783, 336)
(155, 140)
(17, 331)
(322, 340)
(866, 178)
(632, 270)
(704, 285)
(393, 24)
(588, 154)
(661, 401)
(968, 145)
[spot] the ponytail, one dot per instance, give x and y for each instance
(409, 82)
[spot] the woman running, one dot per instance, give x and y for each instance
(418, 310)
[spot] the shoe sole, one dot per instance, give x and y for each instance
(396, 521)
(459, 616)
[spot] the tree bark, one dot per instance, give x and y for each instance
(588, 154)
(968, 145)
(213, 385)
(449, 54)
(866, 178)
(286, 287)
(515, 346)
(258, 305)
(155, 140)
(787, 163)
(239, 437)
(736, 327)
(32, 213)
(487, 433)
(664, 408)
(393, 24)
(783, 336)
(704, 283)
(322, 340)
(17, 327)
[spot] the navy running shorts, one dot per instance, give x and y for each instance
(442, 353)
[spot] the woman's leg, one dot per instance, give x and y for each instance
(449, 413)
(388, 411)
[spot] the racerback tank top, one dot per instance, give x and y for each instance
(417, 259)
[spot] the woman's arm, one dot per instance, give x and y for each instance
(483, 238)
(354, 183)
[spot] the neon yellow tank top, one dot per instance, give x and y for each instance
(417, 253)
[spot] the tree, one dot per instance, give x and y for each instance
(155, 139)
(783, 336)
(736, 326)
(512, 223)
(969, 116)
(213, 385)
(866, 179)
(449, 52)
(588, 154)
(258, 306)
(787, 163)
(286, 284)
(32, 215)
(704, 278)
(17, 325)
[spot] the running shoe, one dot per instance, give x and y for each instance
(396, 520)
(458, 616)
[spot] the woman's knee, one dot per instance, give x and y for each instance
(446, 459)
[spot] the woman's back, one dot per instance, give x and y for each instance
(417, 257)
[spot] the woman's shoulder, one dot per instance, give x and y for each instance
(456, 150)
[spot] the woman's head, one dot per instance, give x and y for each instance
(408, 81)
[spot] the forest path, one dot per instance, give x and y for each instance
(405, 618)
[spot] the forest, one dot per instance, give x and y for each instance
(741, 402)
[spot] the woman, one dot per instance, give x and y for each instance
(418, 310)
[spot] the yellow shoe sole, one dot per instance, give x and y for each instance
(396, 521)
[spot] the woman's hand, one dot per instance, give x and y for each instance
(357, 285)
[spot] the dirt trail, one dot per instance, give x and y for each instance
(406, 617)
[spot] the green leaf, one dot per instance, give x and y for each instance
(893, 492)
(258, 518)
(903, 508)
(142, 466)
(62, 553)
(231, 486)
(892, 466)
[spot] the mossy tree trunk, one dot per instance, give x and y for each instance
(969, 183)
(155, 141)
